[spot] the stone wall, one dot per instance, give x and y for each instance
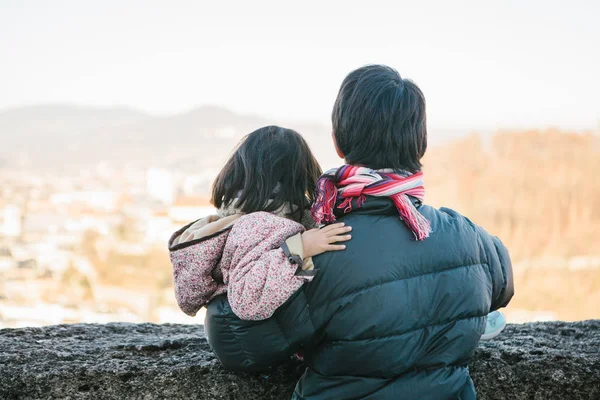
(144, 361)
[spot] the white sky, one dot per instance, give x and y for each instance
(481, 64)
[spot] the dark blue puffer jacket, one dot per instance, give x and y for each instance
(389, 317)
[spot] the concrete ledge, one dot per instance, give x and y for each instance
(552, 360)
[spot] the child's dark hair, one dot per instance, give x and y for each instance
(379, 120)
(272, 169)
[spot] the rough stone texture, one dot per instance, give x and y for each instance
(145, 361)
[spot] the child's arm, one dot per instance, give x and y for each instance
(265, 278)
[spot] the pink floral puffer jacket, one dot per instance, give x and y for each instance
(255, 258)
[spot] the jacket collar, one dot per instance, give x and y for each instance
(374, 206)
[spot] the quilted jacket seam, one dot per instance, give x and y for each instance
(378, 284)
(395, 335)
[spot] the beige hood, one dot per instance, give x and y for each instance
(203, 228)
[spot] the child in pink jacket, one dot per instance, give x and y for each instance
(257, 249)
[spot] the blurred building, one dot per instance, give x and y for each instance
(160, 185)
(7, 260)
(96, 199)
(10, 221)
(159, 227)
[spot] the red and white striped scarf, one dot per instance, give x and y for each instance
(339, 186)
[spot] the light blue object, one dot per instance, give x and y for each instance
(496, 322)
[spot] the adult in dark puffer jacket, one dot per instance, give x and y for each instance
(399, 313)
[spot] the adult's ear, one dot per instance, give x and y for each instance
(337, 149)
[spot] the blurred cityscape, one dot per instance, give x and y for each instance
(87, 209)
(92, 246)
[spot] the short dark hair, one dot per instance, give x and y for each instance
(379, 120)
(271, 168)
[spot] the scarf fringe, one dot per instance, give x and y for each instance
(322, 209)
(417, 223)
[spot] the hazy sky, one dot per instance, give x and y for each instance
(481, 64)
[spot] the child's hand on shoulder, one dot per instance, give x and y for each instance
(317, 241)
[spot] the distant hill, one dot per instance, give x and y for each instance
(203, 137)
(46, 134)
(63, 122)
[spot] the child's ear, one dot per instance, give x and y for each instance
(337, 149)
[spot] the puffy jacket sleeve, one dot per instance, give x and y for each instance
(266, 269)
(500, 267)
(254, 346)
